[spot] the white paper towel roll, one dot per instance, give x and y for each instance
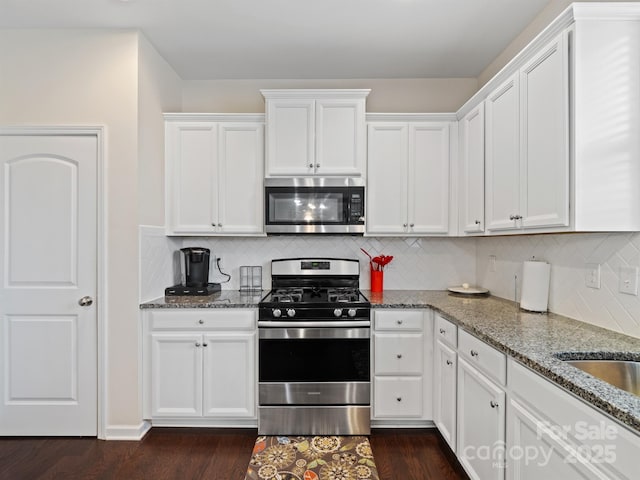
(535, 286)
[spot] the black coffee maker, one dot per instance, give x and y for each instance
(194, 263)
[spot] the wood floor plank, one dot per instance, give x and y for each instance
(201, 453)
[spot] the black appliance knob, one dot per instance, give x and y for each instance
(337, 312)
(291, 312)
(276, 312)
(351, 312)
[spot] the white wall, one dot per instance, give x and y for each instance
(387, 95)
(544, 18)
(82, 77)
(159, 90)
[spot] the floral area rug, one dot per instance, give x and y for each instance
(312, 458)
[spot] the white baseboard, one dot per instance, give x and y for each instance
(127, 432)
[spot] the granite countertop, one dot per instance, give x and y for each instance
(536, 340)
(222, 299)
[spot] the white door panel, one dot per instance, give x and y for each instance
(48, 365)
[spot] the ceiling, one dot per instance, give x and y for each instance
(298, 39)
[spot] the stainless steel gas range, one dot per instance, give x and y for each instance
(314, 350)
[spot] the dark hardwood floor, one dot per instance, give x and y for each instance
(215, 454)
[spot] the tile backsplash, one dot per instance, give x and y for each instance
(431, 264)
(569, 255)
(419, 263)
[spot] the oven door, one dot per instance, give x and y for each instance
(314, 366)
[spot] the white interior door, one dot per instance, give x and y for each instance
(48, 353)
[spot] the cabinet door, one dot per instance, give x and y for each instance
(472, 171)
(445, 389)
(502, 157)
(191, 177)
(340, 137)
(229, 378)
(536, 451)
(387, 178)
(428, 179)
(176, 375)
(290, 137)
(481, 424)
(544, 167)
(240, 178)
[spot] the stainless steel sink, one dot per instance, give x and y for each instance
(620, 373)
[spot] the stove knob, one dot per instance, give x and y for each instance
(352, 312)
(276, 312)
(291, 312)
(337, 312)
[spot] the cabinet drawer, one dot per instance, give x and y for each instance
(397, 397)
(398, 353)
(446, 331)
(398, 319)
(222, 319)
(486, 358)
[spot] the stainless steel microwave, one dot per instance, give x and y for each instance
(314, 205)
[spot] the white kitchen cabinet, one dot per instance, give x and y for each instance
(214, 174)
(402, 376)
(472, 171)
(445, 392)
(199, 368)
(481, 423)
(579, 442)
(528, 144)
(408, 177)
(482, 375)
(315, 132)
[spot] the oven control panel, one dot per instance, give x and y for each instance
(315, 265)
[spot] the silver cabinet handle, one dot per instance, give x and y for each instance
(404, 225)
(197, 344)
(494, 404)
(474, 353)
(449, 362)
(85, 301)
(399, 322)
(317, 165)
(399, 399)
(220, 225)
(412, 225)
(205, 344)
(399, 355)
(311, 165)
(443, 331)
(512, 217)
(200, 321)
(477, 222)
(213, 224)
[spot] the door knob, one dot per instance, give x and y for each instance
(85, 301)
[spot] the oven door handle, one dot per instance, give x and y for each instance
(329, 323)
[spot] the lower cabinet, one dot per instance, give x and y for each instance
(402, 374)
(445, 392)
(552, 434)
(200, 365)
(481, 420)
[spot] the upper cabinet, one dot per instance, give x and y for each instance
(408, 174)
(560, 127)
(214, 174)
(527, 155)
(472, 172)
(315, 132)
